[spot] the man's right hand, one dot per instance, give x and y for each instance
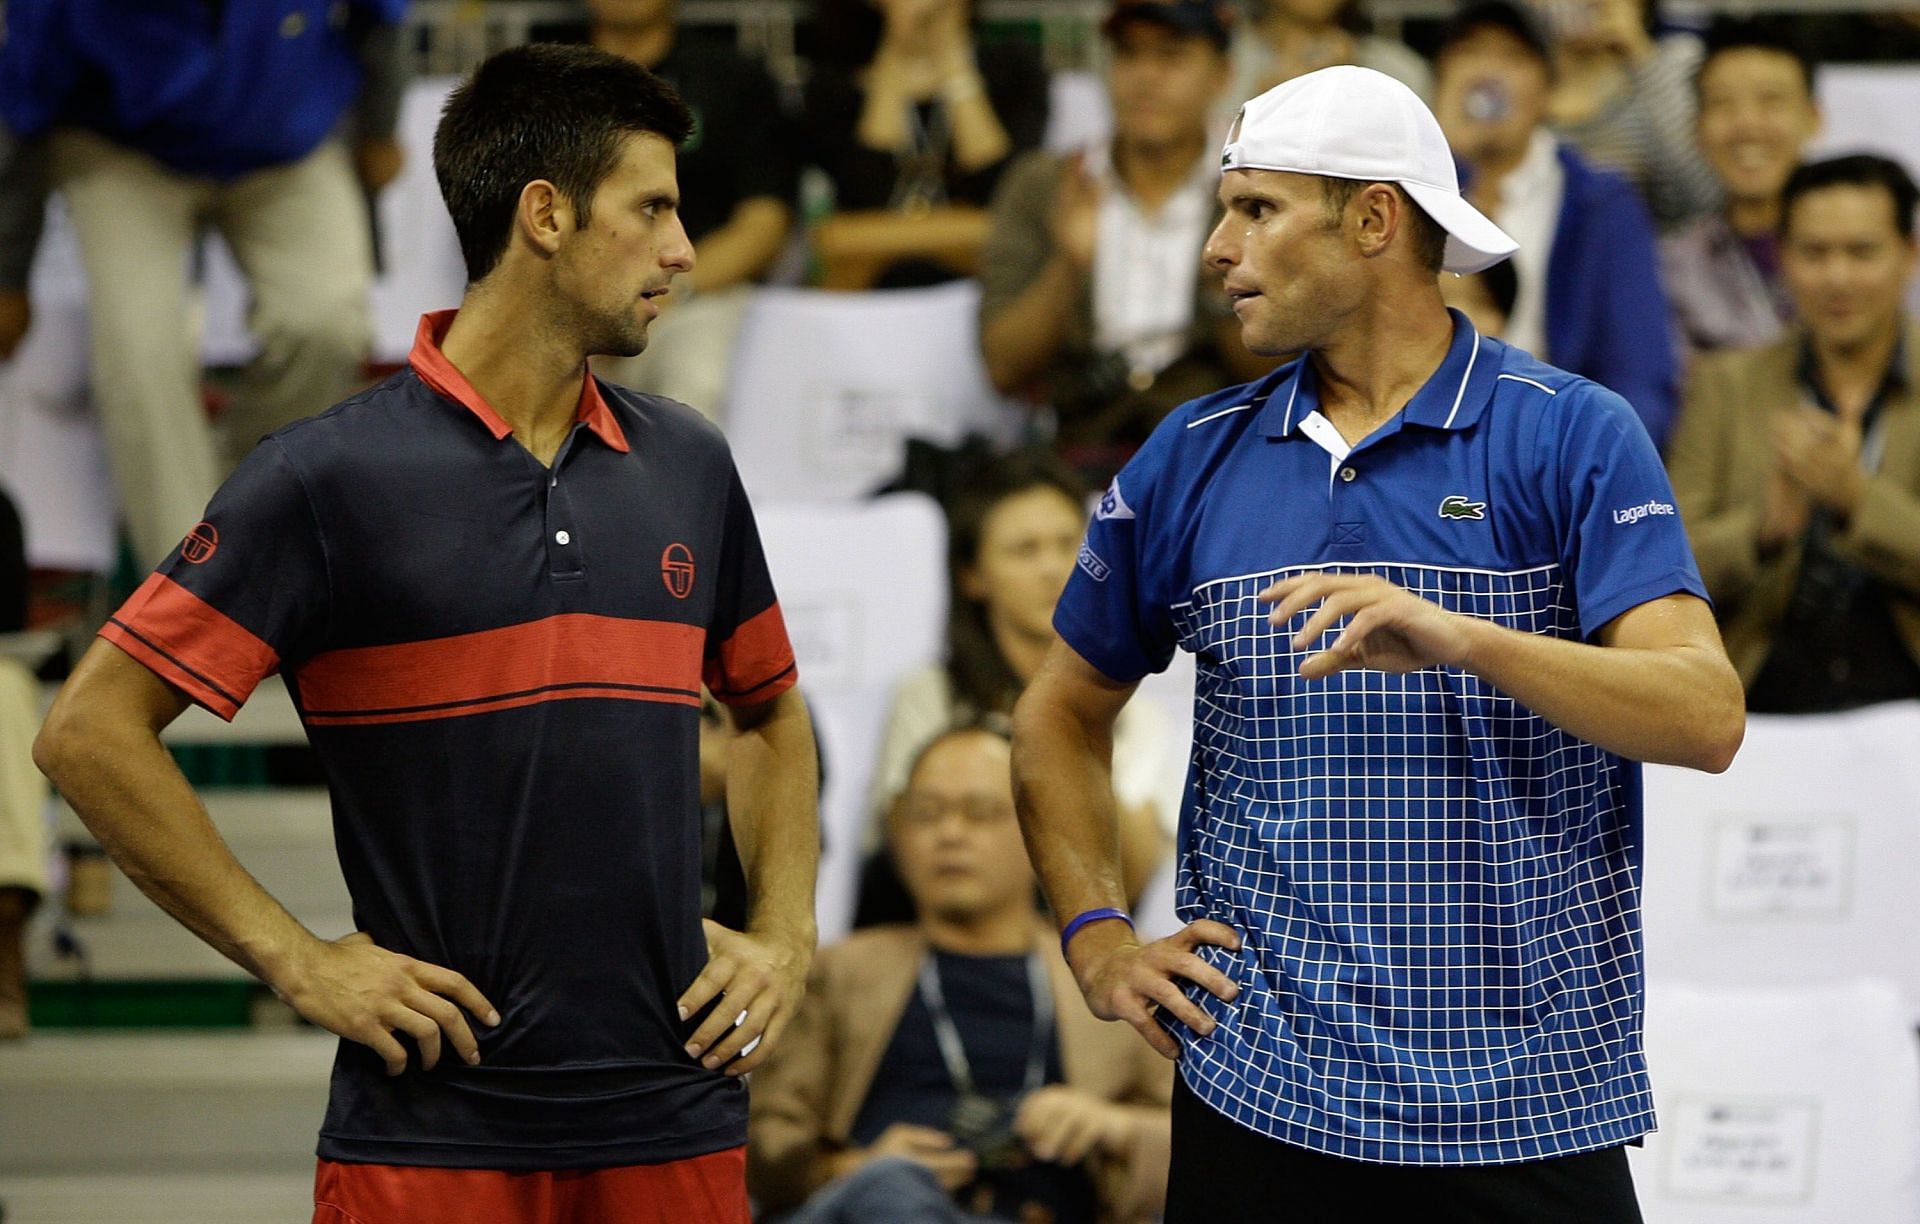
(1125, 980)
(356, 989)
(16, 316)
(952, 1165)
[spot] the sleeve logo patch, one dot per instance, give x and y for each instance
(1458, 507)
(201, 543)
(1096, 568)
(1112, 505)
(1628, 515)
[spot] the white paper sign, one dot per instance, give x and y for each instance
(825, 632)
(1742, 1150)
(861, 430)
(1784, 867)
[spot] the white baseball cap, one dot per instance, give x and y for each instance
(1355, 123)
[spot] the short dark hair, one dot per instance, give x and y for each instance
(1755, 34)
(1429, 240)
(542, 111)
(1854, 170)
(1510, 19)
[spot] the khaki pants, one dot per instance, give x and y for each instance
(689, 352)
(23, 792)
(299, 234)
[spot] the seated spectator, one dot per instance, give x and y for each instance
(1290, 38)
(948, 1070)
(1623, 96)
(1486, 298)
(1589, 297)
(913, 122)
(737, 175)
(23, 792)
(1094, 299)
(1797, 466)
(1014, 529)
(1757, 113)
(153, 120)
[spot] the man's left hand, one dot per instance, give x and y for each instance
(1391, 630)
(759, 980)
(1821, 453)
(1063, 1125)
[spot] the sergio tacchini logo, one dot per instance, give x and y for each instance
(1458, 507)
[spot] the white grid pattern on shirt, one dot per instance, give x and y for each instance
(1437, 886)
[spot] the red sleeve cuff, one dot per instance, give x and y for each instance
(755, 664)
(191, 645)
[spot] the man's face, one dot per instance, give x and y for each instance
(1845, 262)
(611, 273)
(1756, 117)
(1291, 271)
(1163, 83)
(622, 14)
(955, 836)
(1490, 93)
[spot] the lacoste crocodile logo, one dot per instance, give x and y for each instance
(1458, 507)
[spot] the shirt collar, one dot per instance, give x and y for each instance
(1897, 378)
(440, 374)
(1453, 398)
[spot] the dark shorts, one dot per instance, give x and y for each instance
(703, 1190)
(1223, 1171)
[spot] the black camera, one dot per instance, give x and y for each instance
(984, 1126)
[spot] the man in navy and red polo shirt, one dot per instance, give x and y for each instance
(496, 587)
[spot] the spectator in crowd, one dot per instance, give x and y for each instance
(1589, 298)
(913, 121)
(1289, 38)
(737, 174)
(947, 1070)
(265, 121)
(1623, 96)
(1014, 530)
(23, 792)
(1093, 297)
(1486, 298)
(1757, 113)
(1797, 466)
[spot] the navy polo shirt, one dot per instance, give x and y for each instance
(499, 665)
(1437, 888)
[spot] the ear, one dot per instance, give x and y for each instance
(1377, 213)
(543, 217)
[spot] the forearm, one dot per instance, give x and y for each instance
(773, 789)
(979, 138)
(1063, 787)
(1021, 339)
(127, 790)
(1679, 705)
(741, 249)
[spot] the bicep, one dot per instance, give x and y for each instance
(1672, 622)
(1069, 685)
(111, 686)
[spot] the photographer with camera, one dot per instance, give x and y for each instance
(949, 1070)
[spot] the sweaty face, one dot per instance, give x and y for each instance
(611, 273)
(1291, 273)
(1755, 118)
(1027, 548)
(1845, 263)
(1163, 84)
(955, 836)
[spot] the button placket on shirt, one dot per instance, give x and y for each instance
(566, 558)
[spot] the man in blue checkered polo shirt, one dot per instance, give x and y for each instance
(1440, 605)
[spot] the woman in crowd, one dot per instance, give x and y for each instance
(1623, 96)
(912, 119)
(1013, 534)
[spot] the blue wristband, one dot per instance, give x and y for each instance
(1092, 915)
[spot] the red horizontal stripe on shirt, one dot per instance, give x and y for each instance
(572, 655)
(756, 663)
(191, 644)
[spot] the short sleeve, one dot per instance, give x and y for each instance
(748, 656)
(1109, 613)
(244, 595)
(1624, 543)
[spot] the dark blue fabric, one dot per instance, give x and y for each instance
(1607, 315)
(215, 90)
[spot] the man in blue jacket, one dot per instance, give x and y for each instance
(1593, 305)
(264, 120)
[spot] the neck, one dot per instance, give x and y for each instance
(1153, 171)
(1381, 359)
(1023, 652)
(1006, 931)
(527, 372)
(645, 43)
(1853, 372)
(1754, 218)
(1490, 169)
